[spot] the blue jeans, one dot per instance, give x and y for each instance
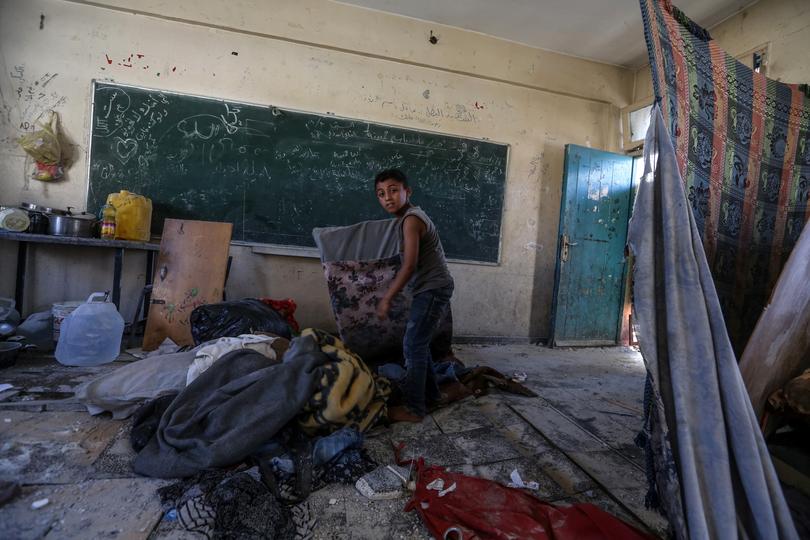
(419, 384)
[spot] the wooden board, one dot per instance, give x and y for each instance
(778, 348)
(190, 272)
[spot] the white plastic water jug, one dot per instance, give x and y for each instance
(91, 334)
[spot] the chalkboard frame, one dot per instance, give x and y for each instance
(293, 250)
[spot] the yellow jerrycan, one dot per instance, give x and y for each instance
(133, 215)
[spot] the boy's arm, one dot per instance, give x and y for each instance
(412, 229)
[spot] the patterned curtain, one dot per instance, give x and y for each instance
(742, 144)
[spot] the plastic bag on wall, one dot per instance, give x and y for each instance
(43, 145)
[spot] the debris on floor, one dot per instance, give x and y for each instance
(384, 482)
(82, 464)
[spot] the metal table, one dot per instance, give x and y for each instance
(118, 245)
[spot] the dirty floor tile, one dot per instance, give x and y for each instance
(52, 447)
(120, 508)
(484, 445)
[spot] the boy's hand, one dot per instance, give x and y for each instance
(383, 308)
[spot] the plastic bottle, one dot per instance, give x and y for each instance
(91, 335)
(108, 222)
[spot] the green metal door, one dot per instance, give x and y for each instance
(589, 278)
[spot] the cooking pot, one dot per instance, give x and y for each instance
(39, 223)
(80, 225)
(42, 209)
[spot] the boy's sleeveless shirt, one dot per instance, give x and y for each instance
(431, 266)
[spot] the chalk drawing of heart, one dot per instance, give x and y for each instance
(125, 148)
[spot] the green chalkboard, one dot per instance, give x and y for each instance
(276, 174)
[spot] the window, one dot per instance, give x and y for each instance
(756, 58)
(639, 122)
(635, 121)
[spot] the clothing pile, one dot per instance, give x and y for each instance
(252, 422)
(246, 399)
(234, 504)
(122, 391)
(457, 381)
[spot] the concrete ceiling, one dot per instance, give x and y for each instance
(607, 31)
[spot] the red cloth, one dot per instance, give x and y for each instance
(286, 308)
(482, 509)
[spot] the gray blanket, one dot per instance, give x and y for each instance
(231, 410)
(124, 390)
(715, 476)
(364, 241)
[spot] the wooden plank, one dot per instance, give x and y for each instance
(190, 272)
(777, 350)
(611, 470)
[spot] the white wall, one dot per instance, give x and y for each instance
(318, 56)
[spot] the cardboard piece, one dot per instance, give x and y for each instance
(190, 272)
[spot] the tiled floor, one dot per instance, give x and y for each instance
(575, 440)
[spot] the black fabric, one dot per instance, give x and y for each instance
(230, 411)
(231, 319)
(233, 505)
(346, 468)
(146, 420)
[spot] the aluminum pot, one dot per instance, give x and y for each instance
(80, 225)
(42, 209)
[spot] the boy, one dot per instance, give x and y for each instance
(423, 261)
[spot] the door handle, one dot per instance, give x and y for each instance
(564, 250)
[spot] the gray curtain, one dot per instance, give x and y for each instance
(713, 472)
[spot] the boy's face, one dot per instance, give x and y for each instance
(392, 195)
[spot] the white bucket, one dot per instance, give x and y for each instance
(59, 312)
